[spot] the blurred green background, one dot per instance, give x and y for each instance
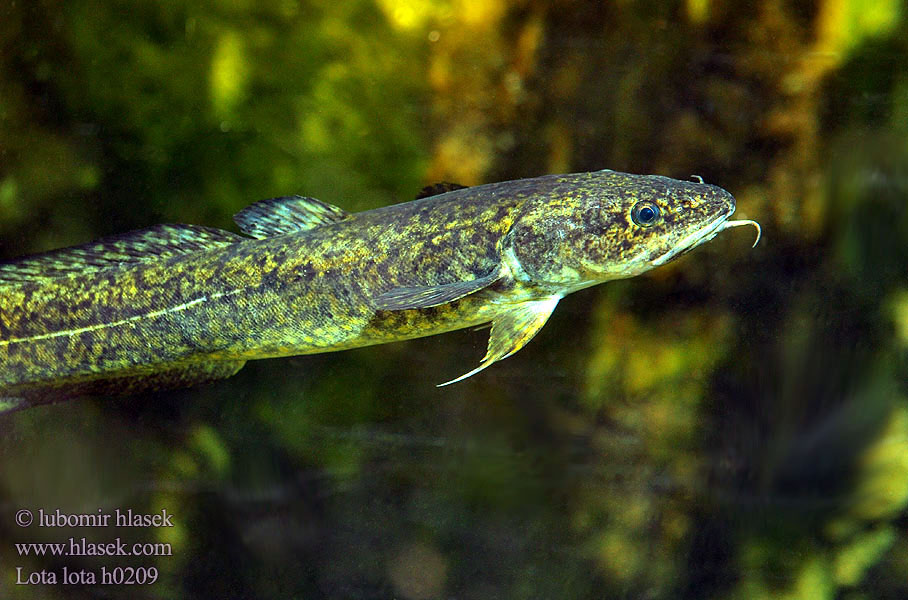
(734, 425)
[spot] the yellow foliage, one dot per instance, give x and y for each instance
(854, 560)
(811, 582)
(229, 74)
(899, 311)
(408, 14)
(844, 24)
(883, 490)
(619, 555)
(698, 11)
(206, 442)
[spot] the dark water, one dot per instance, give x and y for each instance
(733, 425)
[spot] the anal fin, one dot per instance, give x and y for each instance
(164, 377)
(511, 331)
(168, 377)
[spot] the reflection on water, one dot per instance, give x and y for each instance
(734, 425)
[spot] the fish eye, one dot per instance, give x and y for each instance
(645, 213)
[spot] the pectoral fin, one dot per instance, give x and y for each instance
(404, 298)
(512, 330)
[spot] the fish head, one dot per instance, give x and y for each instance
(595, 227)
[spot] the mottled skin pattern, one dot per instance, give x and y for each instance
(178, 319)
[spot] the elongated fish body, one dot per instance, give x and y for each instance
(175, 305)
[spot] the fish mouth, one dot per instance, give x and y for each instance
(705, 234)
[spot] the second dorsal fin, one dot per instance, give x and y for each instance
(439, 188)
(141, 245)
(287, 214)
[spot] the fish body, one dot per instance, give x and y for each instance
(175, 305)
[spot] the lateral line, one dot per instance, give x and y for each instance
(149, 315)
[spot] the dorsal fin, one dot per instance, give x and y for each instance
(439, 188)
(287, 214)
(156, 242)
